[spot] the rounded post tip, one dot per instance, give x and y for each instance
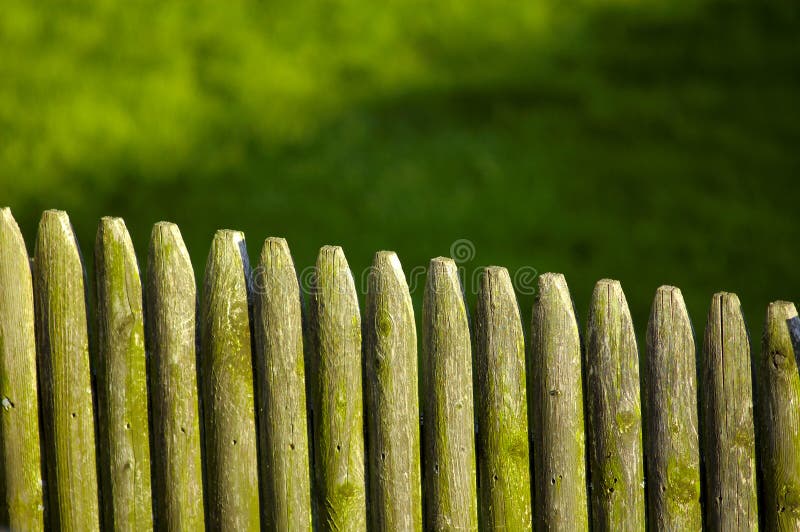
(726, 297)
(495, 279)
(387, 258)
(277, 243)
(275, 251)
(227, 242)
(110, 225)
(56, 219)
(229, 235)
(552, 280)
(331, 259)
(166, 231)
(328, 252)
(551, 284)
(8, 223)
(612, 284)
(388, 262)
(443, 276)
(781, 310)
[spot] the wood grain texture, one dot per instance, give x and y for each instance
(779, 425)
(556, 405)
(335, 339)
(614, 413)
(68, 432)
(390, 352)
(672, 447)
(226, 382)
(448, 436)
(21, 498)
(502, 406)
(171, 338)
(726, 419)
(283, 426)
(121, 382)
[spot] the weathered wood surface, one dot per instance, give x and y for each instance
(171, 338)
(448, 436)
(226, 383)
(672, 447)
(335, 339)
(68, 433)
(121, 382)
(502, 409)
(281, 405)
(614, 413)
(390, 352)
(21, 498)
(556, 406)
(779, 399)
(726, 418)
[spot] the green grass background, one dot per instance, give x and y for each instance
(650, 141)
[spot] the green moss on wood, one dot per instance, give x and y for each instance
(171, 304)
(449, 469)
(335, 339)
(226, 372)
(122, 382)
(614, 411)
(726, 411)
(556, 406)
(68, 433)
(21, 497)
(502, 411)
(390, 351)
(672, 447)
(281, 404)
(779, 420)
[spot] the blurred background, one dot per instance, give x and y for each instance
(651, 141)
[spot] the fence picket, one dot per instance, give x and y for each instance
(556, 406)
(21, 498)
(68, 433)
(390, 352)
(121, 382)
(448, 436)
(779, 386)
(335, 330)
(726, 415)
(171, 337)
(283, 427)
(614, 413)
(671, 430)
(226, 384)
(502, 406)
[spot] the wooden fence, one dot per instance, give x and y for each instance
(252, 410)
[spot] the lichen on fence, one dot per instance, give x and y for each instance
(256, 405)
